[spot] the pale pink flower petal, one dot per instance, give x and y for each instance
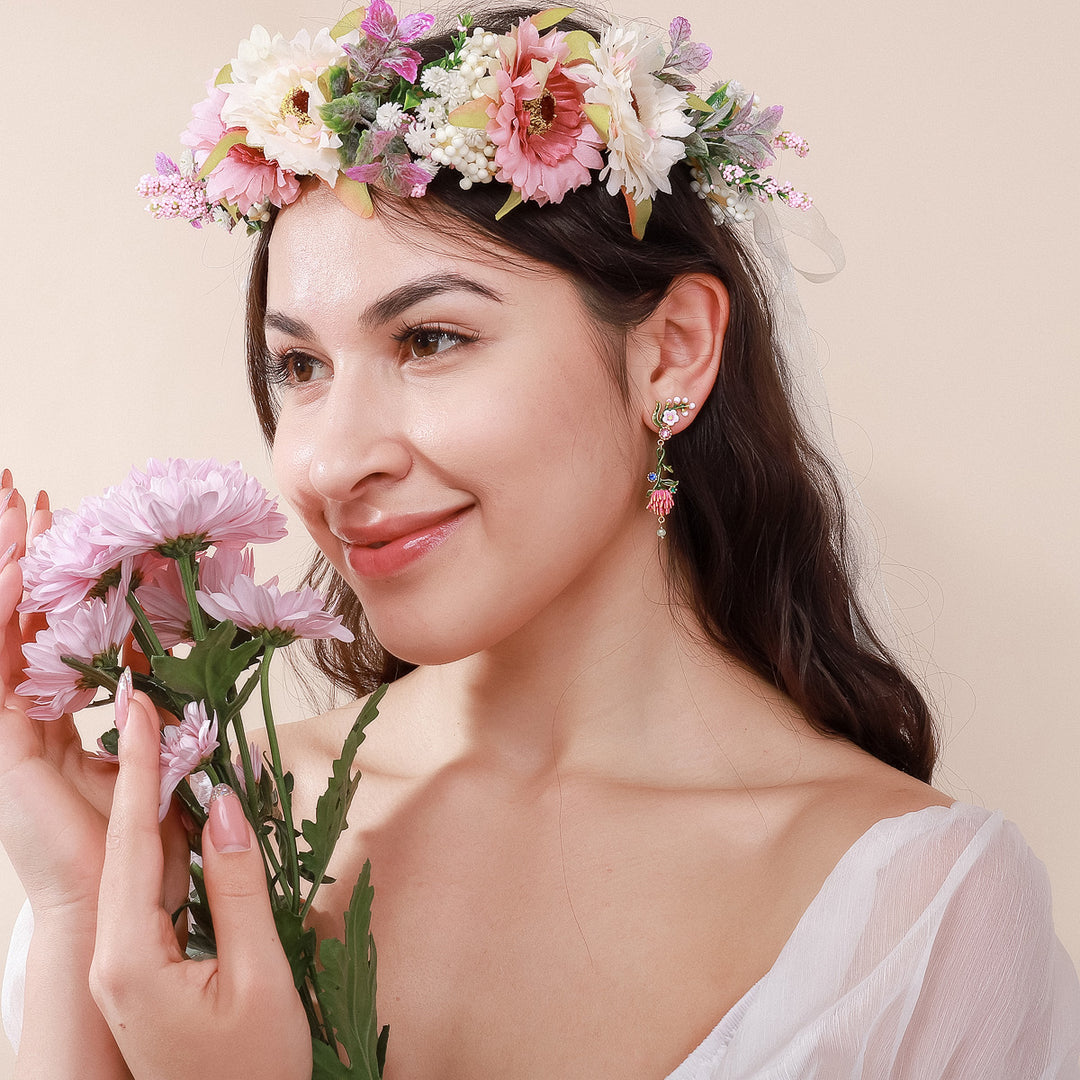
(197, 502)
(94, 633)
(184, 748)
(265, 609)
(163, 600)
(65, 563)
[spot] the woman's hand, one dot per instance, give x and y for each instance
(174, 1018)
(54, 798)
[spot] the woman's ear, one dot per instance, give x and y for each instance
(676, 351)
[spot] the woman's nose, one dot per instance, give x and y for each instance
(359, 444)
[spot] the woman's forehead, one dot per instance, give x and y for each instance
(319, 247)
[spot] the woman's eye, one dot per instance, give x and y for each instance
(429, 341)
(295, 368)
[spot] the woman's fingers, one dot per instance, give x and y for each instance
(247, 940)
(131, 882)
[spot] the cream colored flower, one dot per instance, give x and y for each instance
(275, 94)
(648, 117)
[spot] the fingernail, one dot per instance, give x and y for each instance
(6, 557)
(226, 822)
(41, 502)
(123, 699)
(7, 480)
(5, 498)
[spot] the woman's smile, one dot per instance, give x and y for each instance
(394, 544)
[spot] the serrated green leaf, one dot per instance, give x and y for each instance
(298, 943)
(212, 667)
(346, 987)
(325, 1063)
(332, 808)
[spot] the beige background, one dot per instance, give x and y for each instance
(944, 156)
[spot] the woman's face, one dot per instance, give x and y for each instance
(448, 432)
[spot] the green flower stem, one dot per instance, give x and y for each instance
(292, 861)
(249, 771)
(148, 641)
(186, 565)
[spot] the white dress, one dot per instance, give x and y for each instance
(928, 954)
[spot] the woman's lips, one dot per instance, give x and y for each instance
(389, 555)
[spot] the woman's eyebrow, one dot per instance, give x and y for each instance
(394, 303)
(391, 305)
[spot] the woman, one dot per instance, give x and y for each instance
(630, 787)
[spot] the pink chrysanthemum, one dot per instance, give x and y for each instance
(182, 504)
(544, 145)
(163, 600)
(92, 633)
(264, 609)
(660, 502)
(184, 748)
(64, 563)
(245, 178)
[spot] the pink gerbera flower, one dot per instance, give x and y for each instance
(264, 609)
(185, 747)
(182, 505)
(93, 633)
(245, 178)
(544, 145)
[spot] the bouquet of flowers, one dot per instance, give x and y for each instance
(158, 572)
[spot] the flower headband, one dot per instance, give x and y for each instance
(540, 109)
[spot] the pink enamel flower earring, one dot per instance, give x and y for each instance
(662, 493)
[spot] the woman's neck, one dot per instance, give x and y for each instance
(612, 681)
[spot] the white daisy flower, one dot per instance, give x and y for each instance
(648, 118)
(275, 94)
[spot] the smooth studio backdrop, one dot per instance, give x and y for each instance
(943, 142)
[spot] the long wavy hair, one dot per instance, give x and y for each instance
(757, 537)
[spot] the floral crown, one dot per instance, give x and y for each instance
(540, 109)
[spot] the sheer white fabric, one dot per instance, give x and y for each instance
(929, 953)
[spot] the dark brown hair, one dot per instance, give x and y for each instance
(757, 535)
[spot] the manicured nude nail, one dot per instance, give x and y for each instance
(41, 502)
(7, 480)
(123, 699)
(227, 824)
(5, 498)
(6, 557)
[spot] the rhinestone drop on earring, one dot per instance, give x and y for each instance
(662, 493)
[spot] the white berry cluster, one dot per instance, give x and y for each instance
(725, 203)
(433, 137)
